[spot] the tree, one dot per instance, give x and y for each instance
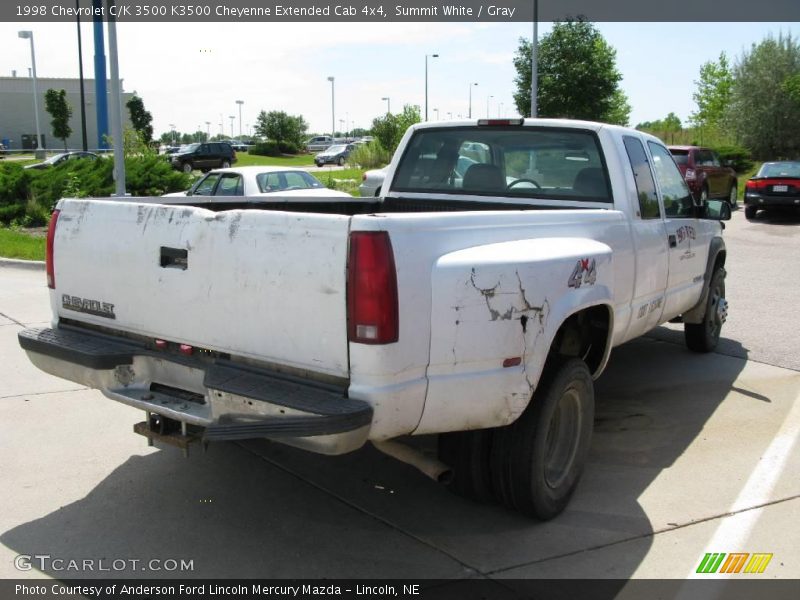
(762, 113)
(578, 76)
(281, 127)
(390, 128)
(55, 102)
(141, 119)
(713, 93)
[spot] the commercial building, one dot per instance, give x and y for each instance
(17, 122)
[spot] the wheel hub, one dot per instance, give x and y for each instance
(722, 310)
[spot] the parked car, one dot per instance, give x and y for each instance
(205, 156)
(775, 184)
(237, 145)
(3, 150)
(58, 159)
(259, 181)
(335, 154)
(371, 182)
(705, 174)
(319, 143)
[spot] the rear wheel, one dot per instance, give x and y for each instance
(704, 194)
(732, 195)
(340, 162)
(187, 167)
(704, 336)
(226, 164)
(536, 461)
(750, 212)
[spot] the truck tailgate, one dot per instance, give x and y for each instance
(261, 284)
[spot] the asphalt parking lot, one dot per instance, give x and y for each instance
(691, 454)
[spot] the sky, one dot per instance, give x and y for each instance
(191, 73)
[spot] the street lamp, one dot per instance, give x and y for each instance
(28, 35)
(436, 110)
(333, 111)
(388, 105)
(535, 62)
(469, 114)
(208, 130)
(426, 82)
(232, 118)
(449, 115)
(487, 105)
(172, 129)
(240, 102)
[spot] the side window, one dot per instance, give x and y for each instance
(230, 185)
(295, 181)
(645, 186)
(674, 191)
(206, 186)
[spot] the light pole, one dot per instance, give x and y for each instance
(172, 129)
(487, 105)
(29, 36)
(500, 109)
(426, 82)
(333, 109)
(240, 102)
(449, 115)
(469, 114)
(535, 62)
(436, 110)
(388, 104)
(232, 118)
(208, 130)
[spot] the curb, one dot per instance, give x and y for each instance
(34, 265)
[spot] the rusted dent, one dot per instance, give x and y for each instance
(508, 314)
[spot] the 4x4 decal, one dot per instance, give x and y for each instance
(585, 272)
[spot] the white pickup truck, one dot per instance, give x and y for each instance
(477, 298)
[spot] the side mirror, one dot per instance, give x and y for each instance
(717, 210)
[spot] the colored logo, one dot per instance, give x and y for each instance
(735, 562)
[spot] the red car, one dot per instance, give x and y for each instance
(704, 172)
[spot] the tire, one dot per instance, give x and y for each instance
(750, 212)
(704, 194)
(187, 167)
(467, 453)
(226, 164)
(537, 461)
(340, 162)
(704, 337)
(732, 196)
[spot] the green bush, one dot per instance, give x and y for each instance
(152, 175)
(268, 148)
(27, 197)
(738, 157)
(370, 156)
(288, 147)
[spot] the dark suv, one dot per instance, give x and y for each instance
(205, 156)
(705, 174)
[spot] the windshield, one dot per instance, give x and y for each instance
(781, 169)
(335, 149)
(189, 148)
(526, 162)
(285, 181)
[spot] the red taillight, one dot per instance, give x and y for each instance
(364, 176)
(372, 312)
(498, 122)
(51, 235)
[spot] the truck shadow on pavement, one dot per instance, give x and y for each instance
(259, 509)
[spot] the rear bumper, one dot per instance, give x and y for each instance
(230, 400)
(764, 200)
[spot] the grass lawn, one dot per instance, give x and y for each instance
(245, 159)
(16, 244)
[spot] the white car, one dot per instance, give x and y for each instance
(259, 181)
(371, 183)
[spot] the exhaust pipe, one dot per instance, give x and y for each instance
(432, 467)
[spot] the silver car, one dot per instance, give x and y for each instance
(371, 183)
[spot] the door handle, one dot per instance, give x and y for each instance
(673, 241)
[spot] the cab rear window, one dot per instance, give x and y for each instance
(524, 162)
